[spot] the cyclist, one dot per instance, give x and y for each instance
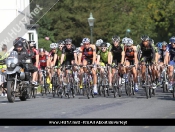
(68, 51)
(103, 59)
(61, 44)
(52, 60)
(171, 61)
(98, 43)
(43, 63)
(35, 57)
(116, 55)
(131, 59)
(148, 55)
(87, 57)
(163, 55)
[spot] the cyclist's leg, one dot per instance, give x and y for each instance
(170, 75)
(143, 68)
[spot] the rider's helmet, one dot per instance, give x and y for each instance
(41, 50)
(68, 41)
(61, 42)
(129, 42)
(145, 38)
(159, 45)
(86, 40)
(116, 38)
(164, 43)
(18, 44)
(98, 42)
(124, 40)
(103, 44)
(172, 39)
(53, 45)
(151, 40)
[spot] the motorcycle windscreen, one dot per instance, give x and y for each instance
(12, 59)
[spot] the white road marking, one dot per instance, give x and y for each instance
(6, 127)
(63, 112)
(3, 103)
(146, 127)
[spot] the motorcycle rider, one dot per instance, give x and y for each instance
(23, 55)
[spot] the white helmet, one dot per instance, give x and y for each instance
(53, 45)
(98, 42)
(108, 44)
(86, 40)
(124, 40)
(129, 42)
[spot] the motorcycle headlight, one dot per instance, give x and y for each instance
(12, 65)
(28, 61)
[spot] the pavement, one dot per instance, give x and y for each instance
(161, 106)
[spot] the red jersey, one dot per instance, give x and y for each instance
(43, 60)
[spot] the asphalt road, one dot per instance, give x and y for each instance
(160, 106)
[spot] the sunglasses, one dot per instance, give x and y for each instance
(128, 45)
(115, 41)
(60, 46)
(103, 48)
(68, 44)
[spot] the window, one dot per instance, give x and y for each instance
(31, 36)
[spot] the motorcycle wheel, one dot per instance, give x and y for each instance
(10, 92)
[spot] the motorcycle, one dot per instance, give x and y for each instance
(18, 78)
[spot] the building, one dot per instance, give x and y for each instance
(10, 9)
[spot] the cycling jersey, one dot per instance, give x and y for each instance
(103, 56)
(35, 52)
(148, 53)
(129, 53)
(43, 61)
(87, 53)
(69, 53)
(51, 55)
(59, 53)
(117, 53)
(172, 53)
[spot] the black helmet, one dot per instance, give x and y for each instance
(61, 42)
(41, 50)
(103, 44)
(68, 41)
(116, 38)
(145, 38)
(151, 40)
(18, 44)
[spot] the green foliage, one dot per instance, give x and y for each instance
(68, 19)
(44, 44)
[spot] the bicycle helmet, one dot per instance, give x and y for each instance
(68, 41)
(129, 42)
(172, 39)
(116, 38)
(53, 45)
(99, 42)
(151, 40)
(61, 42)
(159, 45)
(164, 43)
(103, 44)
(32, 43)
(41, 50)
(86, 40)
(108, 44)
(145, 38)
(124, 40)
